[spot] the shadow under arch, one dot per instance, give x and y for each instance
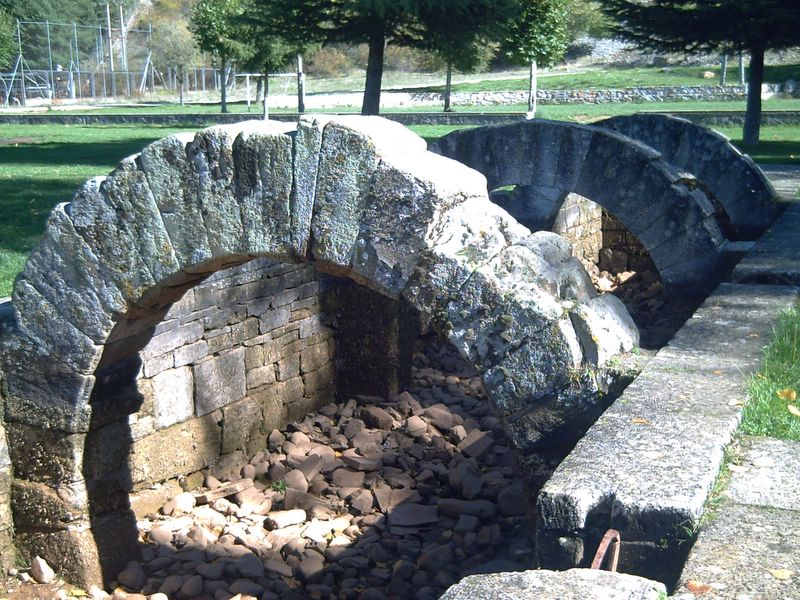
(359, 198)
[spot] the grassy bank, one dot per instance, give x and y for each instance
(774, 406)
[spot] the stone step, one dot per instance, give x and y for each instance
(749, 546)
(646, 467)
(776, 256)
(575, 584)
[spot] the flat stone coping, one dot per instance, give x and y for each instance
(574, 584)
(646, 467)
(775, 258)
(749, 548)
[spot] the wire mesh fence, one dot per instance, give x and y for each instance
(78, 61)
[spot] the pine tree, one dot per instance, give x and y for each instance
(713, 25)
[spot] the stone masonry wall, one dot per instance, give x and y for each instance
(599, 96)
(239, 355)
(579, 221)
(622, 250)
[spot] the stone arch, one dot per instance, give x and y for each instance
(549, 159)
(359, 198)
(733, 178)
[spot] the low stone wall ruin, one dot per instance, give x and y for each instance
(597, 96)
(173, 313)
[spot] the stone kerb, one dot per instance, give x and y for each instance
(676, 225)
(357, 197)
(734, 179)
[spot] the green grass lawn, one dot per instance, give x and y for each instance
(590, 79)
(40, 166)
(774, 406)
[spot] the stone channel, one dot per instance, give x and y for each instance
(395, 497)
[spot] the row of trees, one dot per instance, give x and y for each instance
(528, 32)
(268, 34)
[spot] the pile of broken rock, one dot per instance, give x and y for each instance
(370, 498)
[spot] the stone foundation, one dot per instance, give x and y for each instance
(579, 221)
(621, 250)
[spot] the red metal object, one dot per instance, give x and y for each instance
(611, 537)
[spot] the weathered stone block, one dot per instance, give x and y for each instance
(322, 378)
(272, 320)
(72, 553)
(245, 330)
(45, 455)
(219, 381)
(169, 174)
(307, 144)
(218, 343)
(243, 426)
(61, 264)
(171, 340)
(157, 364)
(261, 376)
(314, 357)
(604, 328)
(128, 192)
(191, 353)
(263, 175)
(38, 506)
(173, 392)
(346, 162)
(575, 584)
(183, 448)
(288, 367)
(98, 223)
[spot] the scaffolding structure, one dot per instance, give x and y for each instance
(78, 61)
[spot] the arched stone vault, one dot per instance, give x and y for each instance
(357, 197)
(549, 159)
(733, 178)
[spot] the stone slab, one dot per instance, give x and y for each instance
(771, 476)
(219, 381)
(575, 584)
(647, 465)
(746, 552)
(775, 258)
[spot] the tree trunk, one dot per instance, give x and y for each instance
(448, 87)
(741, 68)
(752, 119)
(372, 87)
(266, 93)
(301, 85)
(180, 76)
(223, 61)
(532, 90)
(723, 68)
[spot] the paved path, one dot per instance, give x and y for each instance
(750, 547)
